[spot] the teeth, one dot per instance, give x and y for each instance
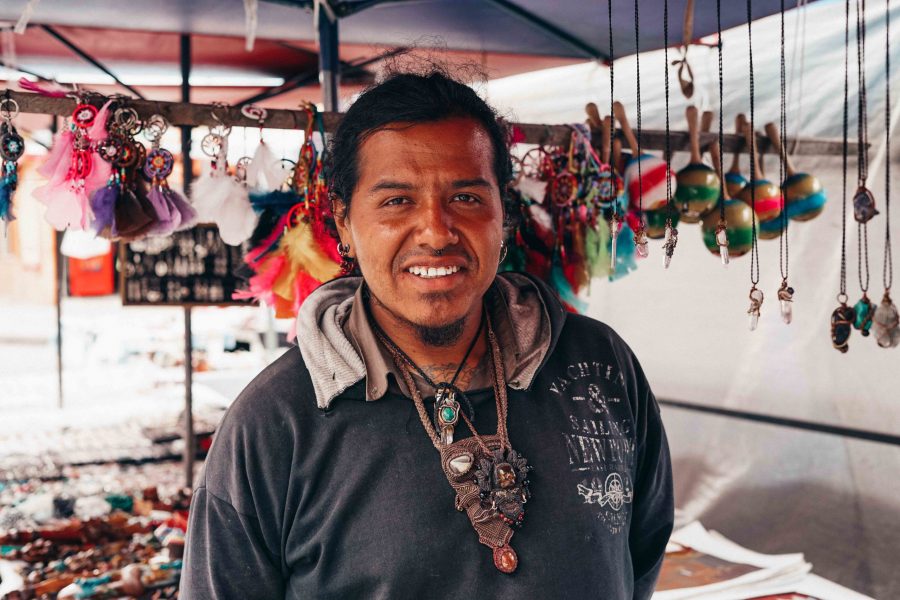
(431, 272)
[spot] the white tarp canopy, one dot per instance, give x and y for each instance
(771, 488)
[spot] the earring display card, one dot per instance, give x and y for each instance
(189, 268)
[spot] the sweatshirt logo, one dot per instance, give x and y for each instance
(600, 440)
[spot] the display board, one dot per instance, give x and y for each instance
(189, 268)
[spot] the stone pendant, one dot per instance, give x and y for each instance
(864, 312)
(841, 325)
(446, 413)
(756, 300)
(722, 241)
(671, 241)
(786, 298)
(886, 323)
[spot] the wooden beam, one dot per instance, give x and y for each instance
(182, 113)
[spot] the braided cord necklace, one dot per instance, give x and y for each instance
(446, 406)
(489, 477)
(615, 219)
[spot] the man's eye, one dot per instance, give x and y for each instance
(467, 198)
(395, 201)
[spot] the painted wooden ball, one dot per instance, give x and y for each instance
(655, 222)
(697, 192)
(651, 185)
(804, 198)
(738, 228)
(767, 201)
(734, 183)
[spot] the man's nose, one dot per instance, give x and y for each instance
(436, 226)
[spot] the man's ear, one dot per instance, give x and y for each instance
(341, 218)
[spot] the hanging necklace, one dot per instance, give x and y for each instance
(887, 318)
(863, 201)
(640, 235)
(756, 295)
(722, 226)
(671, 232)
(843, 316)
(785, 292)
(489, 477)
(615, 221)
(446, 405)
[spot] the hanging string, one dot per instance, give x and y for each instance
(721, 116)
(842, 297)
(888, 273)
(754, 249)
(637, 60)
(612, 114)
(799, 41)
(671, 200)
(862, 136)
(783, 253)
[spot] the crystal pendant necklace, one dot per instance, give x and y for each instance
(756, 295)
(887, 319)
(489, 477)
(671, 239)
(722, 227)
(615, 221)
(785, 292)
(642, 247)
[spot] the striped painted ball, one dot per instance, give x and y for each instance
(767, 202)
(651, 186)
(769, 230)
(734, 183)
(804, 198)
(738, 228)
(698, 191)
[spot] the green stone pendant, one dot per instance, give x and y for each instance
(864, 310)
(446, 411)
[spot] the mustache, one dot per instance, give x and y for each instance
(449, 252)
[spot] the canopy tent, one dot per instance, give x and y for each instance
(772, 488)
(563, 28)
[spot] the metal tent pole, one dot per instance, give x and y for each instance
(60, 282)
(189, 440)
(329, 61)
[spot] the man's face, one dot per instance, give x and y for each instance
(425, 188)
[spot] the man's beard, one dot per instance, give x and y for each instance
(442, 335)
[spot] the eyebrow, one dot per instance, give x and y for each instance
(391, 185)
(476, 182)
(400, 185)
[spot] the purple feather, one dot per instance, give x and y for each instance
(184, 208)
(165, 223)
(103, 205)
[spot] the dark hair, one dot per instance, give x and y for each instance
(411, 98)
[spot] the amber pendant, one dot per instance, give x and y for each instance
(841, 325)
(505, 559)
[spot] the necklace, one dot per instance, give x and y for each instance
(489, 477)
(756, 295)
(672, 216)
(843, 316)
(785, 292)
(887, 319)
(863, 201)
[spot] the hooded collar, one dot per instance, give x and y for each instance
(340, 349)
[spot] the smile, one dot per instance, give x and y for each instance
(432, 272)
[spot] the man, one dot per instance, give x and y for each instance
(338, 474)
